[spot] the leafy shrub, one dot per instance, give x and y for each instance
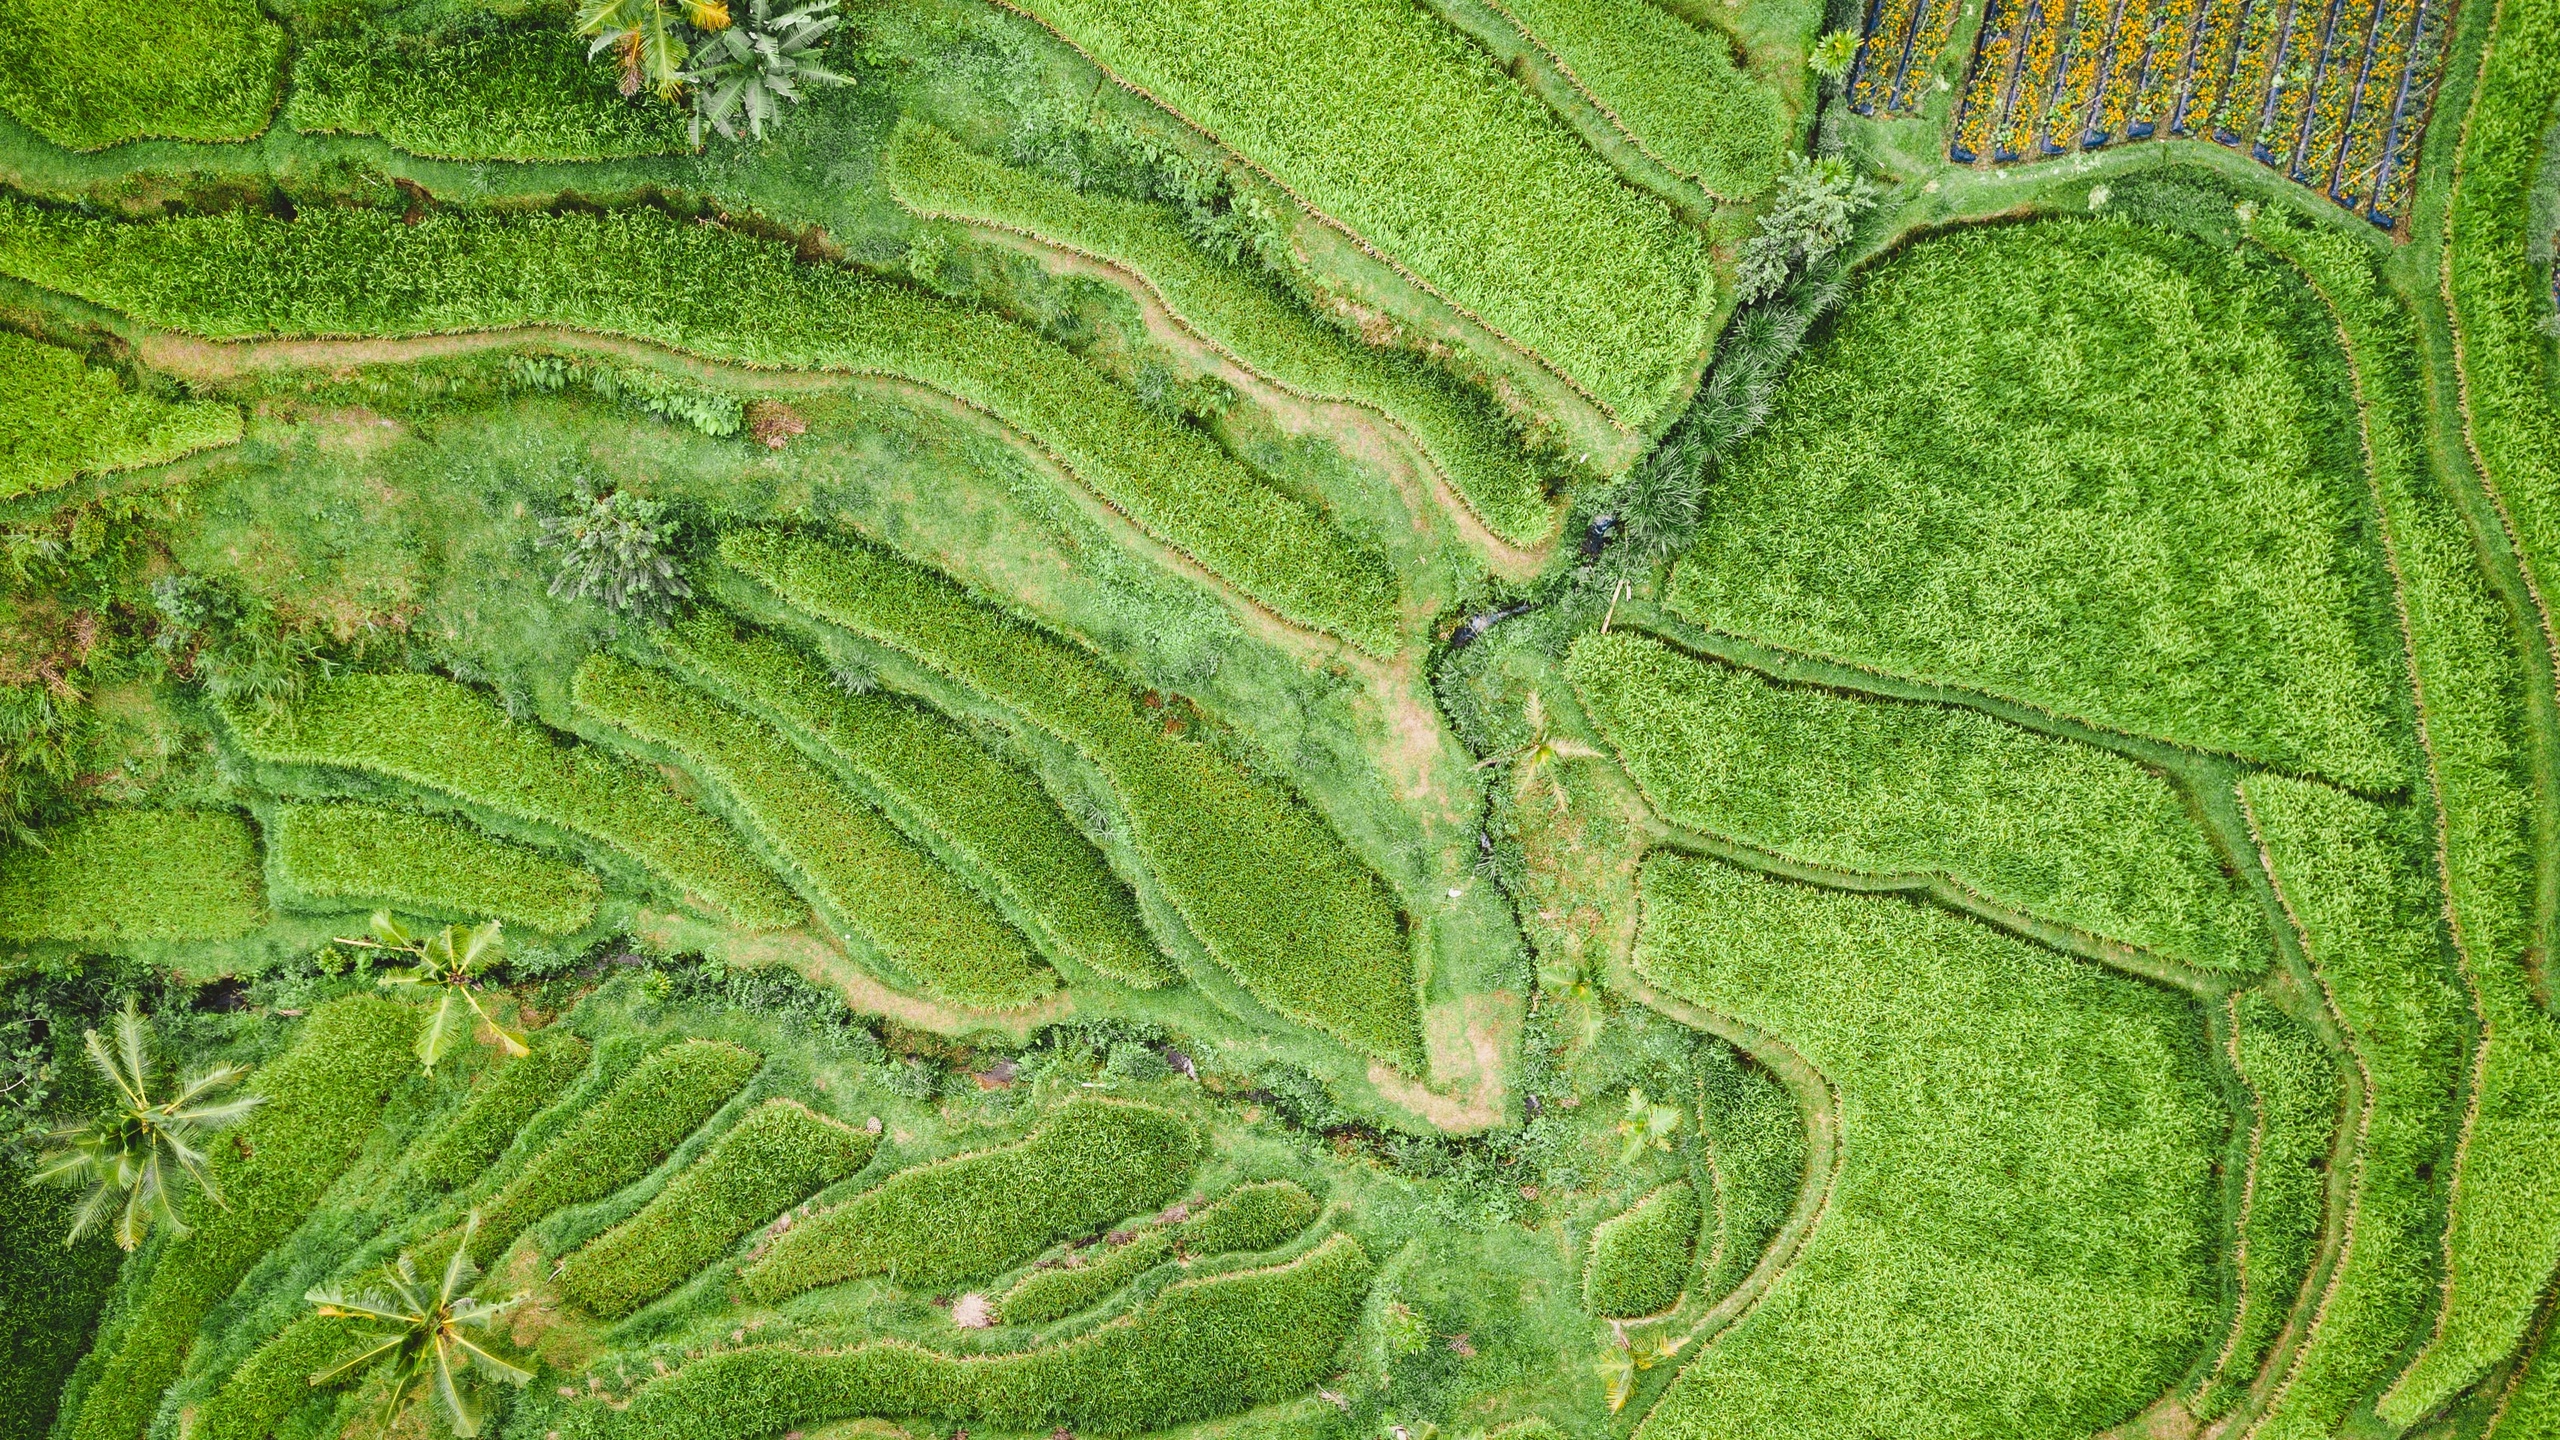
(88, 76)
(62, 417)
(874, 884)
(778, 1154)
(504, 1100)
(1206, 1347)
(1673, 87)
(1004, 825)
(1817, 210)
(1261, 1216)
(2025, 1211)
(1240, 311)
(362, 856)
(1088, 1163)
(623, 1137)
(344, 271)
(2066, 831)
(123, 876)
(614, 547)
(748, 68)
(712, 412)
(523, 92)
(1640, 1259)
(322, 1098)
(440, 736)
(1492, 201)
(1270, 891)
(1055, 1294)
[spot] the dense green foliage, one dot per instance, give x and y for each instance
(527, 92)
(1208, 1346)
(621, 1138)
(120, 876)
(49, 1298)
(1256, 875)
(2121, 484)
(2296, 1092)
(1242, 311)
(2065, 831)
(500, 1104)
(433, 733)
(87, 76)
(1061, 1291)
(1491, 200)
(875, 885)
(61, 416)
(1673, 87)
(358, 857)
(2018, 1242)
(1640, 1259)
(780, 1153)
(322, 1097)
(1262, 1216)
(1087, 1164)
(347, 271)
(1002, 824)
(1755, 1157)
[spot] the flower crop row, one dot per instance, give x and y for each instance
(1936, 24)
(2123, 81)
(2377, 105)
(2171, 44)
(2066, 119)
(2244, 94)
(2350, 38)
(2017, 133)
(2426, 71)
(2297, 68)
(2218, 39)
(1980, 109)
(1880, 54)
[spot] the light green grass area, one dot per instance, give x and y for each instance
(875, 885)
(2064, 831)
(501, 1103)
(623, 1137)
(1261, 1216)
(2019, 1243)
(1672, 85)
(1002, 823)
(972, 1216)
(1241, 311)
(1640, 1260)
(121, 876)
(1755, 1140)
(433, 733)
(87, 76)
(322, 1097)
(1055, 1294)
(336, 271)
(1383, 118)
(2355, 878)
(1269, 890)
(2121, 483)
(351, 857)
(782, 1152)
(2297, 1094)
(518, 93)
(61, 417)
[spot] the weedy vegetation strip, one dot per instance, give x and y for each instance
(779, 1154)
(337, 271)
(1087, 1164)
(1257, 876)
(88, 77)
(2019, 1243)
(2066, 831)
(1242, 312)
(868, 878)
(1491, 201)
(322, 1096)
(360, 856)
(62, 417)
(441, 736)
(2187, 557)
(994, 814)
(523, 92)
(1639, 1260)
(501, 1102)
(117, 875)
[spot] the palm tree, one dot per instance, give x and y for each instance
(450, 962)
(1538, 757)
(427, 1336)
(136, 1159)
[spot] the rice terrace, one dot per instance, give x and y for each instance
(1280, 720)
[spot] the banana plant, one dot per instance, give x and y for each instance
(1647, 1126)
(136, 1159)
(647, 37)
(449, 962)
(436, 1340)
(748, 70)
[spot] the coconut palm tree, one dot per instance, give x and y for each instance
(1535, 761)
(433, 1339)
(450, 962)
(139, 1157)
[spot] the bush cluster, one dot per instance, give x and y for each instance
(122, 876)
(1271, 892)
(1671, 84)
(522, 92)
(62, 417)
(780, 1153)
(1088, 1163)
(503, 1101)
(924, 921)
(1640, 1260)
(435, 734)
(1004, 826)
(713, 412)
(353, 857)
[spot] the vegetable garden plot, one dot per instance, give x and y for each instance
(2333, 96)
